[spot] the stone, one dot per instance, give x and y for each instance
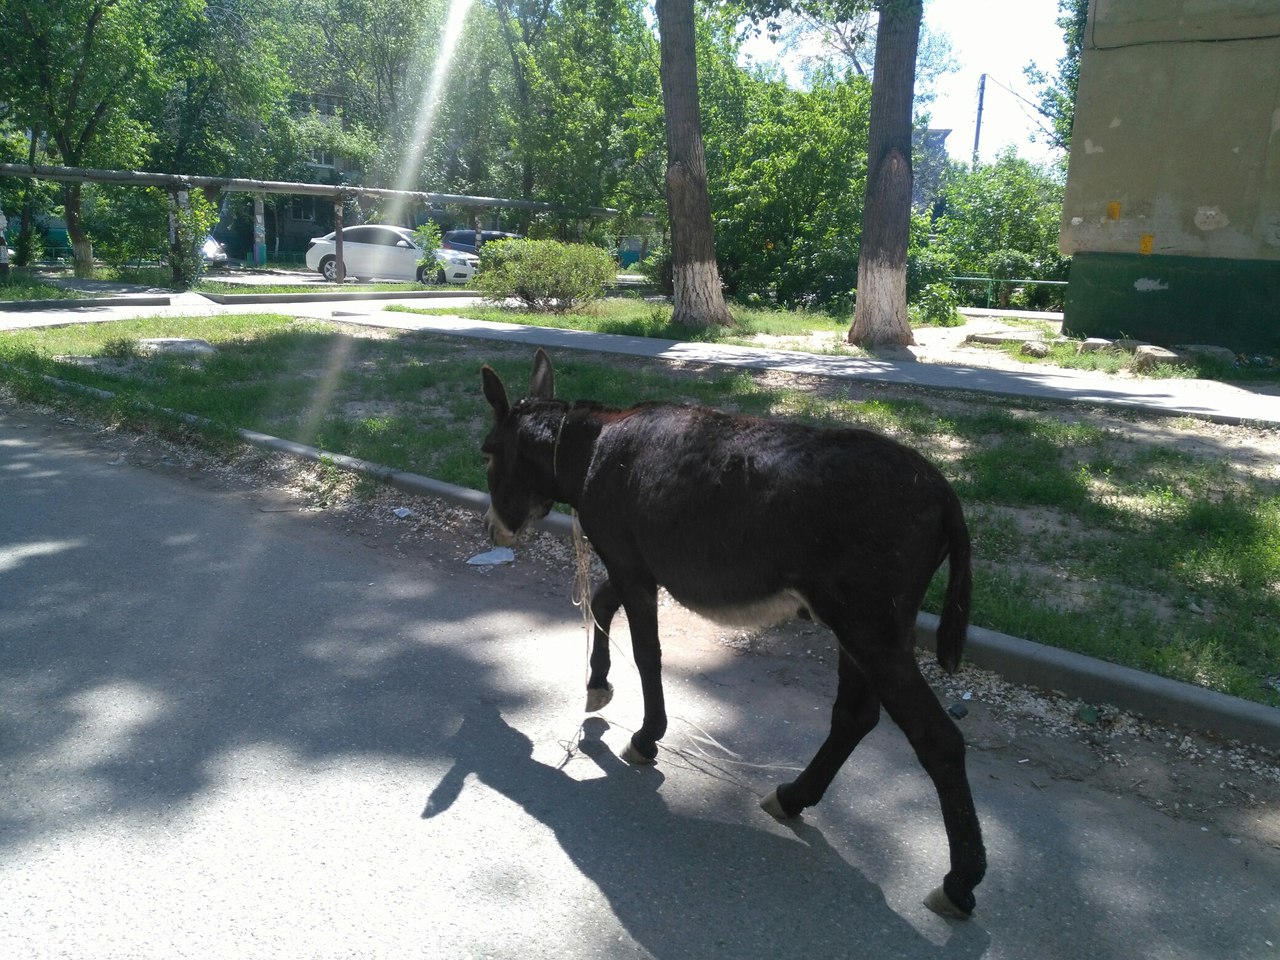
(183, 345)
(1094, 344)
(1128, 344)
(1148, 357)
(1208, 352)
(1035, 348)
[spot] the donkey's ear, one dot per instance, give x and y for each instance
(542, 385)
(495, 392)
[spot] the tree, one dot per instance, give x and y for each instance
(222, 81)
(84, 72)
(880, 311)
(698, 299)
(1001, 219)
(1058, 95)
(842, 33)
(789, 187)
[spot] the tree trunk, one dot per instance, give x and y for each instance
(698, 299)
(27, 229)
(81, 245)
(880, 312)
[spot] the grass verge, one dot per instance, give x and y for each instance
(1092, 532)
(20, 285)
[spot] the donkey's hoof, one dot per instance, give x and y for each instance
(598, 697)
(633, 756)
(773, 806)
(941, 904)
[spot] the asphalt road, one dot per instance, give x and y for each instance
(230, 729)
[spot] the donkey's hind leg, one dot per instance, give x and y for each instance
(855, 713)
(604, 604)
(939, 746)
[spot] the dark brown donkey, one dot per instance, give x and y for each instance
(747, 520)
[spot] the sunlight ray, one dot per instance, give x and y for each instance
(429, 104)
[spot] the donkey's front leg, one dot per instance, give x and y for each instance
(604, 604)
(641, 604)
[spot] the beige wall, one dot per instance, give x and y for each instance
(1176, 145)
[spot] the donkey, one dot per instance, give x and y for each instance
(748, 520)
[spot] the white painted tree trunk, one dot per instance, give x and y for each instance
(697, 297)
(880, 312)
(699, 301)
(880, 316)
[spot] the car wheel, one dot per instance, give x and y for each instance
(421, 276)
(440, 277)
(329, 269)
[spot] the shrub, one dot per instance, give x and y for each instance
(927, 266)
(657, 270)
(427, 236)
(936, 307)
(547, 276)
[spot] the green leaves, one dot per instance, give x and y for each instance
(788, 191)
(1001, 219)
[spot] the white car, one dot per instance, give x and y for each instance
(377, 251)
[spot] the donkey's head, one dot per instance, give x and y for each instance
(514, 499)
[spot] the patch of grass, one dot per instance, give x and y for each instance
(20, 285)
(1116, 546)
(637, 317)
(1067, 354)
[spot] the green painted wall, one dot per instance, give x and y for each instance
(1176, 300)
(1175, 160)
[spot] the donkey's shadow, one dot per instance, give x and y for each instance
(684, 886)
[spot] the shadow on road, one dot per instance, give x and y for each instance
(687, 886)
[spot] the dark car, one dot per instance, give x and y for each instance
(465, 240)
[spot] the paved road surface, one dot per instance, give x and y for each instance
(232, 730)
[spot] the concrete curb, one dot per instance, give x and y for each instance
(1019, 661)
(337, 296)
(72, 303)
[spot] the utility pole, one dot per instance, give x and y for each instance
(977, 130)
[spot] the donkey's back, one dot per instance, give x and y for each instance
(746, 519)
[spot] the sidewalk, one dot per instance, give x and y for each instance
(1208, 399)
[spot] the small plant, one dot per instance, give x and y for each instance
(120, 348)
(937, 307)
(1008, 265)
(545, 275)
(427, 236)
(657, 270)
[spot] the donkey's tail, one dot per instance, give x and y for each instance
(953, 622)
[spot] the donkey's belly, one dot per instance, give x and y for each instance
(762, 612)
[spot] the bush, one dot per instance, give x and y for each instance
(547, 276)
(926, 267)
(936, 307)
(127, 224)
(657, 270)
(1008, 265)
(427, 236)
(192, 225)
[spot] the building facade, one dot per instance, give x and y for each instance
(1172, 207)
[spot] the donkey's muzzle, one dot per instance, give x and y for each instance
(499, 533)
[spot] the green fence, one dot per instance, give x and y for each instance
(993, 284)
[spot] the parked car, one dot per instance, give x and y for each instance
(455, 266)
(212, 252)
(466, 241)
(374, 250)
